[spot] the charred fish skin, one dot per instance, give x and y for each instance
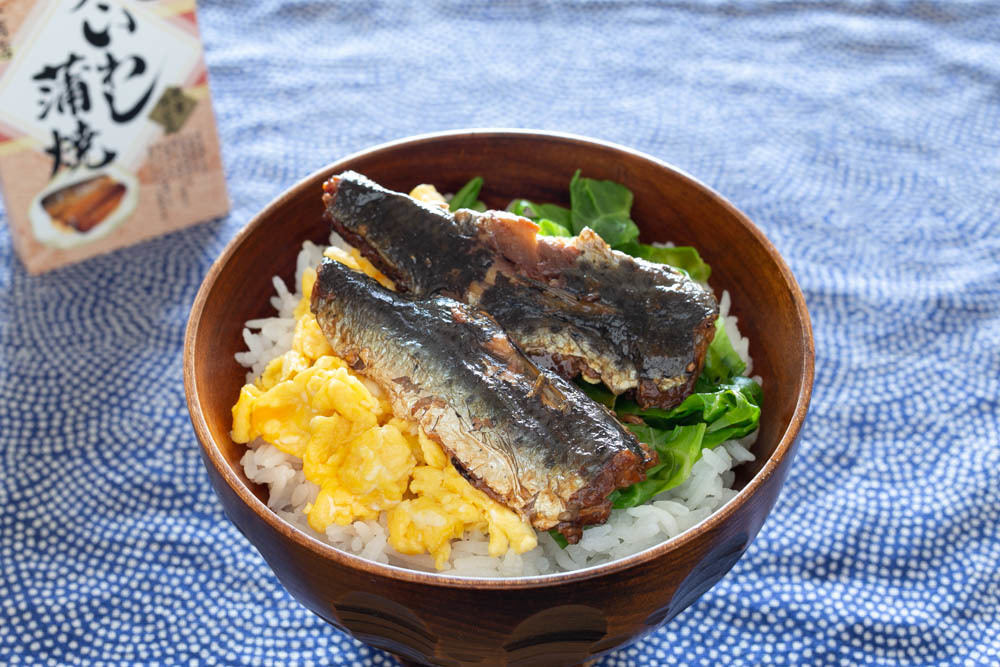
(573, 305)
(526, 436)
(631, 324)
(433, 255)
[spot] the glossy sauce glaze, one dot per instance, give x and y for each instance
(526, 436)
(573, 305)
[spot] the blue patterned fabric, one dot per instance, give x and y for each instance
(864, 141)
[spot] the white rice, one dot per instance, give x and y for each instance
(626, 532)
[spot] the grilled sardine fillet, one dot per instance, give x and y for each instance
(84, 204)
(527, 437)
(573, 305)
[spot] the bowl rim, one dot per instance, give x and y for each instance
(212, 452)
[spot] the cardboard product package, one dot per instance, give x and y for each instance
(107, 135)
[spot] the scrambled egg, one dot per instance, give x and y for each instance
(426, 192)
(310, 404)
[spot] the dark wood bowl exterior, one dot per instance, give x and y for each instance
(550, 620)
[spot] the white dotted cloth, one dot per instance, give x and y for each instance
(864, 142)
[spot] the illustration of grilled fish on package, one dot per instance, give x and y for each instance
(572, 305)
(524, 435)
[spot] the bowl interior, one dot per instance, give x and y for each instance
(669, 206)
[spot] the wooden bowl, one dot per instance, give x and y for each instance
(545, 620)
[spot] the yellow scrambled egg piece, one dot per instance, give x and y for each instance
(427, 193)
(355, 260)
(309, 403)
(444, 506)
(358, 477)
